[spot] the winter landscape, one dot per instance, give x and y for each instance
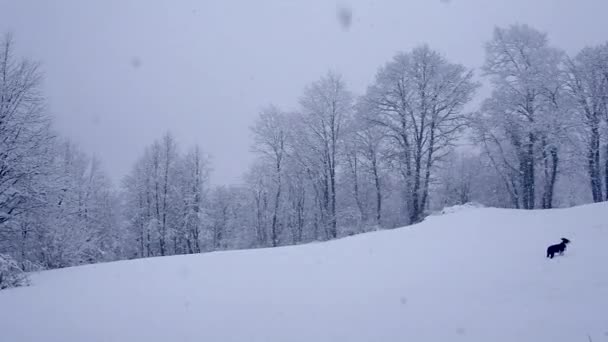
(229, 171)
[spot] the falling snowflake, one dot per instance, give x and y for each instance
(345, 16)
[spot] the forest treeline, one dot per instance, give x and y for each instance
(337, 164)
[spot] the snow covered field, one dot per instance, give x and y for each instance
(473, 274)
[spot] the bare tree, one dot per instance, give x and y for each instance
(153, 188)
(525, 105)
(588, 85)
(256, 179)
(193, 177)
(326, 104)
(25, 137)
(366, 146)
(370, 141)
(418, 100)
(271, 136)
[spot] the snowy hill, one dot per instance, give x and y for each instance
(473, 274)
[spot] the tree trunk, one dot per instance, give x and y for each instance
(593, 164)
(555, 160)
(301, 218)
(189, 245)
(353, 163)
(142, 225)
(408, 176)
(515, 195)
(333, 219)
(273, 231)
(325, 207)
(546, 168)
(415, 206)
(194, 247)
(298, 207)
(378, 191)
(161, 240)
(429, 162)
(165, 194)
(148, 216)
(527, 173)
(550, 161)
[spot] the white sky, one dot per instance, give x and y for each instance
(119, 73)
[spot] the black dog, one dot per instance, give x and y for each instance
(559, 248)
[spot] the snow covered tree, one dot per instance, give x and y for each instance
(522, 123)
(56, 204)
(418, 99)
(11, 274)
(271, 140)
(79, 224)
(326, 105)
(371, 142)
(257, 182)
(166, 199)
(459, 179)
(139, 203)
(193, 178)
(25, 136)
(229, 215)
(587, 83)
(297, 201)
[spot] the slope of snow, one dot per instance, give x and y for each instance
(477, 274)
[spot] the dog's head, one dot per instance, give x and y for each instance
(565, 241)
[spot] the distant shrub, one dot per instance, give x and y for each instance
(11, 275)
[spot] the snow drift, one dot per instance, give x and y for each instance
(476, 274)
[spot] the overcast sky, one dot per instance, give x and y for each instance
(119, 73)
